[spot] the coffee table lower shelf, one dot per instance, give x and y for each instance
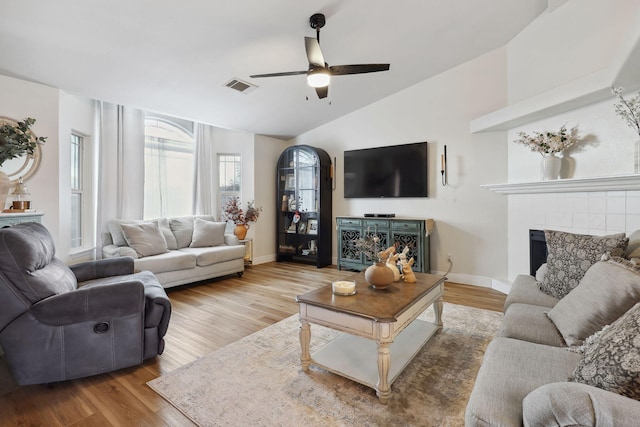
(355, 357)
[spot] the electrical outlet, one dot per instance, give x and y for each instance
(449, 257)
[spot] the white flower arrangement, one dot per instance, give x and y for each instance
(549, 142)
(629, 109)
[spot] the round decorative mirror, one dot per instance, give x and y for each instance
(24, 166)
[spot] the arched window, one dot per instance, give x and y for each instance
(168, 163)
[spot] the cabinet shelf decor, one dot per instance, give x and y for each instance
(303, 200)
(401, 232)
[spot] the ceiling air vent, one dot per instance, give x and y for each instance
(240, 86)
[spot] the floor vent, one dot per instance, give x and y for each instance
(240, 86)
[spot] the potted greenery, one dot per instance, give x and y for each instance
(15, 141)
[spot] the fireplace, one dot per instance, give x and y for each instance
(537, 250)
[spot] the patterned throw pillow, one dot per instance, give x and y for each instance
(571, 255)
(612, 362)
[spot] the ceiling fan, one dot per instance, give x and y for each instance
(319, 72)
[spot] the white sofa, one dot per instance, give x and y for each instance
(177, 250)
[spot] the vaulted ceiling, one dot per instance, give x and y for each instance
(176, 57)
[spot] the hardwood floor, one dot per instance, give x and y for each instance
(205, 317)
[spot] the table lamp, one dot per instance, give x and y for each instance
(20, 191)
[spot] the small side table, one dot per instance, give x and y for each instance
(9, 219)
(248, 257)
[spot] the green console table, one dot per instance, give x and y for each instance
(9, 219)
(401, 232)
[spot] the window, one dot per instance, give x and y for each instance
(77, 194)
(229, 180)
(229, 177)
(168, 163)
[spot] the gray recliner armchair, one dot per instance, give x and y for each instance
(59, 323)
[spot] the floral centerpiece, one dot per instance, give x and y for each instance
(549, 142)
(16, 140)
(628, 109)
(233, 212)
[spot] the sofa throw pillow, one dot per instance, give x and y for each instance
(182, 228)
(115, 228)
(207, 233)
(163, 223)
(571, 255)
(613, 362)
(607, 291)
(145, 238)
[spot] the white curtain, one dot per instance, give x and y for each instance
(120, 162)
(205, 200)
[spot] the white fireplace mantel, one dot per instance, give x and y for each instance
(574, 185)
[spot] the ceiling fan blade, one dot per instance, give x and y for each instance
(341, 70)
(314, 54)
(322, 92)
(288, 73)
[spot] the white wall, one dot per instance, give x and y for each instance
(267, 150)
(56, 114)
(19, 100)
(609, 148)
(76, 115)
(259, 155)
(235, 142)
(578, 38)
(608, 145)
(470, 222)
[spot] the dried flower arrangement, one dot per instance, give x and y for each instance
(233, 212)
(369, 245)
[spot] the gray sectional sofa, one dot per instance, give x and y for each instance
(571, 358)
(177, 250)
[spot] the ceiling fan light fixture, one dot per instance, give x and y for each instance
(319, 77)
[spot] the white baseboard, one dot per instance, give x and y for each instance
(500, 286)
(481, 281)
(264, 259)
(466, 279)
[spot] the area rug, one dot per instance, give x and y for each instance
(258, 381)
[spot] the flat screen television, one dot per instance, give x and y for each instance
(393, 171)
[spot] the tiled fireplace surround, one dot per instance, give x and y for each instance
(584, 208)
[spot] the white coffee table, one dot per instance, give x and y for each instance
(377, 325)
